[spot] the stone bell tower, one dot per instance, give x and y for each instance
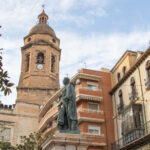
(39, 77)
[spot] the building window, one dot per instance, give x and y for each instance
(118, 77)
(54, 41)
(27, 62)
(133, 94)
(53, 63)
(124, 69)
(147, 75)
(29, 39)
(94, 130)
(40, 58)
(120, 103)
(5, 134)
(93, 107)
(92, 86)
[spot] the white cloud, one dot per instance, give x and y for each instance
(96, 50)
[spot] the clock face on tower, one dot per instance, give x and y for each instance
(39, 66)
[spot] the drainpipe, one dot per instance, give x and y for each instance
(143, 99)
(116, 116)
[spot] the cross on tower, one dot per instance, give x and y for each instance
(43, 6)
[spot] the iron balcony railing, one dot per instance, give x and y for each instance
(133, 95)
(147, 84)
(131, 137)
(120, 107)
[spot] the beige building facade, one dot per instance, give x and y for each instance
(131, 101)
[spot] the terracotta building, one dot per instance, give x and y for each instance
(131, 101)
(94, 107)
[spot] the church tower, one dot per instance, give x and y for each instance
(39, 77)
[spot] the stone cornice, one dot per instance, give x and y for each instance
(34, 88)
(132, 69)
(46, 44)
(41, 34)
(122, 58)
(85, 76)
(88, 97)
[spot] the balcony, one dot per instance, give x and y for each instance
(133, 95)
(87, 91)
(138, 136)
(120, 108)
(147, 84)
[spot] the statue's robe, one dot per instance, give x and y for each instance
(69, 111)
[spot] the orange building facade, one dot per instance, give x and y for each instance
(94, 107)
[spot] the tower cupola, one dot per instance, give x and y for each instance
(43, 17)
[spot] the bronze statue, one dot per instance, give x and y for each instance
(67, 117)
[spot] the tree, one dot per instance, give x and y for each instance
(6, 146)
(33, 142)
(5, 84)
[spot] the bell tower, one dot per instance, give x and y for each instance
(39, 77)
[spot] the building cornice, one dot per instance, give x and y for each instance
(85, 76)
(33, 44)
(132, 69)
(88, 97)
(88, 119)
(122, 58)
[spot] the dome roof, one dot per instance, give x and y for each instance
(42, 28)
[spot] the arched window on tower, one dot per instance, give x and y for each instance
(53, 62)
(120, 105)
(124, 69)
(147, 75)
(118, 76)
(40, 58)
(133, 94)
(27, 62)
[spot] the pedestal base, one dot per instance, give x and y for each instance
(62, 141)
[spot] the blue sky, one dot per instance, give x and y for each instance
(97, 32)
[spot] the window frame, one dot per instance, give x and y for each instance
(92, 109)
(94, 84)
(92, 127)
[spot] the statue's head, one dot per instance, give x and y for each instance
(66, 80)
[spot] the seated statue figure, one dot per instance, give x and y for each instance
(67, 112)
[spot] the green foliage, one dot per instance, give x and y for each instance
(32, 142)
(6, 146)
(4, 82)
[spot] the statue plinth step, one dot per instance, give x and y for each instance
(66, 141)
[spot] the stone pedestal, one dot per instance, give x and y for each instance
(62, 141)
